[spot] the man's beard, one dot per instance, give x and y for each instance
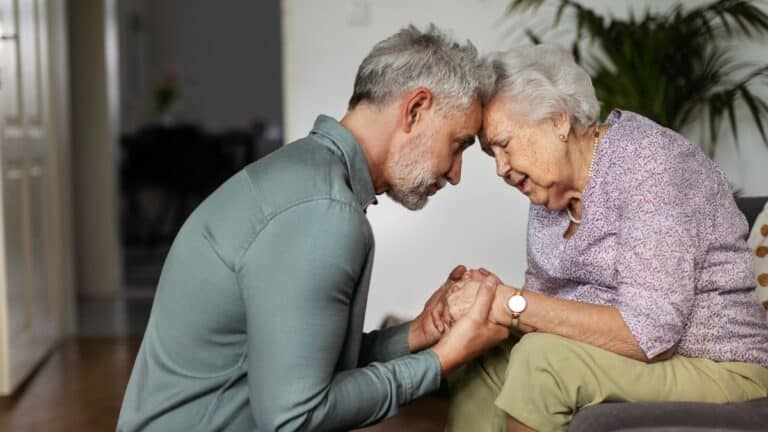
(411, 171)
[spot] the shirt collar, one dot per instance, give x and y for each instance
(340, 139)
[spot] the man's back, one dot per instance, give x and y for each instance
(194, 351)
(261, 302)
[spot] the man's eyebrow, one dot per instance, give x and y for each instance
(466, 140)
(487, 143)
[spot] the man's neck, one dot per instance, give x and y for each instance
(373, 132)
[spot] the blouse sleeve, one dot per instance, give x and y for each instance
(657, 244)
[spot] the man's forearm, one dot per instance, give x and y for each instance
(393, 342)
(385, 344)
(417, 338)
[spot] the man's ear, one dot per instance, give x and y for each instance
(418, 101)
(562, 125)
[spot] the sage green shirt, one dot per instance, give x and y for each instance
(258, 316)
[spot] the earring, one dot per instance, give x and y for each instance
(562, 137)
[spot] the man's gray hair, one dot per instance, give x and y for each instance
(544, 81)
(410, 58)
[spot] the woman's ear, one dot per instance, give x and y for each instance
(418, 101)
(561, 123)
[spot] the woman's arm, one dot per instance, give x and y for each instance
(663, 214)
(597, 325)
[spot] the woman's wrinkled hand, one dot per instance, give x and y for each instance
(474, 333)
(434, 320)
(461, 295)
(461, 299)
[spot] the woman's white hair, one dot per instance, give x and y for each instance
(544, 81)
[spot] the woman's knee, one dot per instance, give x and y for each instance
(543, 358)
(488, 370)
(540, 345)
(538, 390)
(474, 389)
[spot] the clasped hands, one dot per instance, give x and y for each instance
(462, 318)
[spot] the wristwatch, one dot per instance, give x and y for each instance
(517, 305)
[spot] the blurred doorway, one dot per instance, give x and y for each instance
(35, 298)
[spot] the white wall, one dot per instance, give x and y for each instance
(482, 221)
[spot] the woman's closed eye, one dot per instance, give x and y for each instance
(493, 145)
(498, 147)
(500, 144)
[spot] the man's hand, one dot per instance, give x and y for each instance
(434, 320)
(473, 334)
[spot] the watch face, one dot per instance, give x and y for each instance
(517, 303)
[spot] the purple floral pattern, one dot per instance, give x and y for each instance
(662, 241)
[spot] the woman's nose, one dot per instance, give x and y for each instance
(502, 166)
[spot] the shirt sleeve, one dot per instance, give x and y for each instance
(298, 280)
(656, 248)
(385, 344)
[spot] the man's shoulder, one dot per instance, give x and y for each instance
(301, 171)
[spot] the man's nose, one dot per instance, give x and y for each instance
(454, 175)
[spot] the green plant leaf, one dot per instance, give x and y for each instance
(671, 67)
(535, 39)
(754, 109)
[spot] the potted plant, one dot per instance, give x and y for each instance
(166, 97)
(672, 67)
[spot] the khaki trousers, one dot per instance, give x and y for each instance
(542, 380)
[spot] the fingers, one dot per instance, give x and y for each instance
(475, 275)
(457, 273)
(447, 318)
(458, 286)
(485, 294)
(437, 320)
(489, 273)
(480, 274)
(442, 313)
(453, 288)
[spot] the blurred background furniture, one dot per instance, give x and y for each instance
(165, 172)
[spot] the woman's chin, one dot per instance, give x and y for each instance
(551, 205)
(537, 199)
(542, 198)
(556, 206)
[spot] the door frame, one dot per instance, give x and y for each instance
(62, 270)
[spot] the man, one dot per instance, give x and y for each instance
(257, 321)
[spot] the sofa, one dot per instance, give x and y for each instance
(679, 416)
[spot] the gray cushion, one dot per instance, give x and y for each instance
(751, 207)
(673, 416)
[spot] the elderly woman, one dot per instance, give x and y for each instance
(639, 282)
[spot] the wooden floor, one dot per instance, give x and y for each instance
(80, 388)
